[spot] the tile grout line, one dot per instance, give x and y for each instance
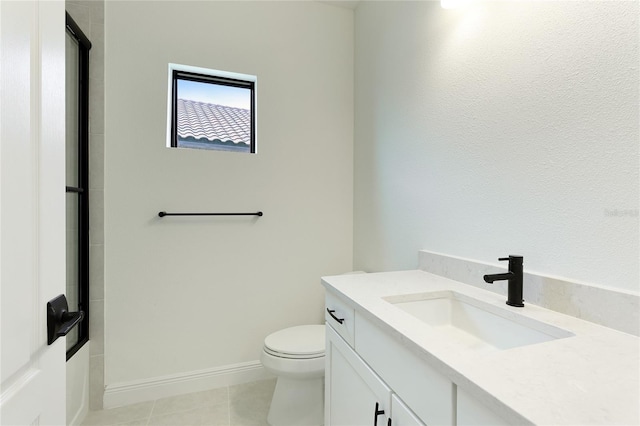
(228, 405)
(155, 401)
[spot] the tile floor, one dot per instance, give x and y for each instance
(240, 405)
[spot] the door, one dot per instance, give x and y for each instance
(354, 395)
(32, 210)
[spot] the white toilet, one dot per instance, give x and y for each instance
(296, 356)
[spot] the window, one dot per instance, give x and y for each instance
(211, 109)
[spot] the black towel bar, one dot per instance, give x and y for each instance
(163, 214)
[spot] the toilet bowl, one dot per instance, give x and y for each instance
(296, 356)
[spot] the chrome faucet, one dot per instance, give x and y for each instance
(514, 297)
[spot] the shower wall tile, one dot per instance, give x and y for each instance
(80, 11)
(97, 12)
(96, 54)
(89, 15)
(96, 272)
(96, 216)
(96, 326)
(96, 382)
(96, 159)
(96, 107)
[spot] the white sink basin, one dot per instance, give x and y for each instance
(476, 324)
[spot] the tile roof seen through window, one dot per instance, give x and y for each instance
(213, 122)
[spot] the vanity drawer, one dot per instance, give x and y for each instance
(427, 392)
(340, 316)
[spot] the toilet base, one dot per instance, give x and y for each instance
(297, 402)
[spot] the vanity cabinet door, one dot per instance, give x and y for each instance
(352, 390)
(401, 415)
(472, 412)
(422, 387)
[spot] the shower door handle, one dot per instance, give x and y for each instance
(59, 320)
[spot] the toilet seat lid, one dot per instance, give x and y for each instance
(299, 340)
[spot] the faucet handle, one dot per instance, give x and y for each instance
(511, 257)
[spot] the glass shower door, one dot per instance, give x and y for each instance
(77, 180)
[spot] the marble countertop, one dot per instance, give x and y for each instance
(592, 377)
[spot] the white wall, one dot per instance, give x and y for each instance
(185, 294)
(505, 128)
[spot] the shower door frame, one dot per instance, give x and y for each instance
(82, 190)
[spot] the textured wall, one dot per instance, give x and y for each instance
(509, 127)
(197, 293)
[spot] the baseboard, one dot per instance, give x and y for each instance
(119, 394)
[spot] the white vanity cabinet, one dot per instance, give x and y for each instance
(474, 362)
(353, 392)
(473, 413)
(402, 415)
(429, 394)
